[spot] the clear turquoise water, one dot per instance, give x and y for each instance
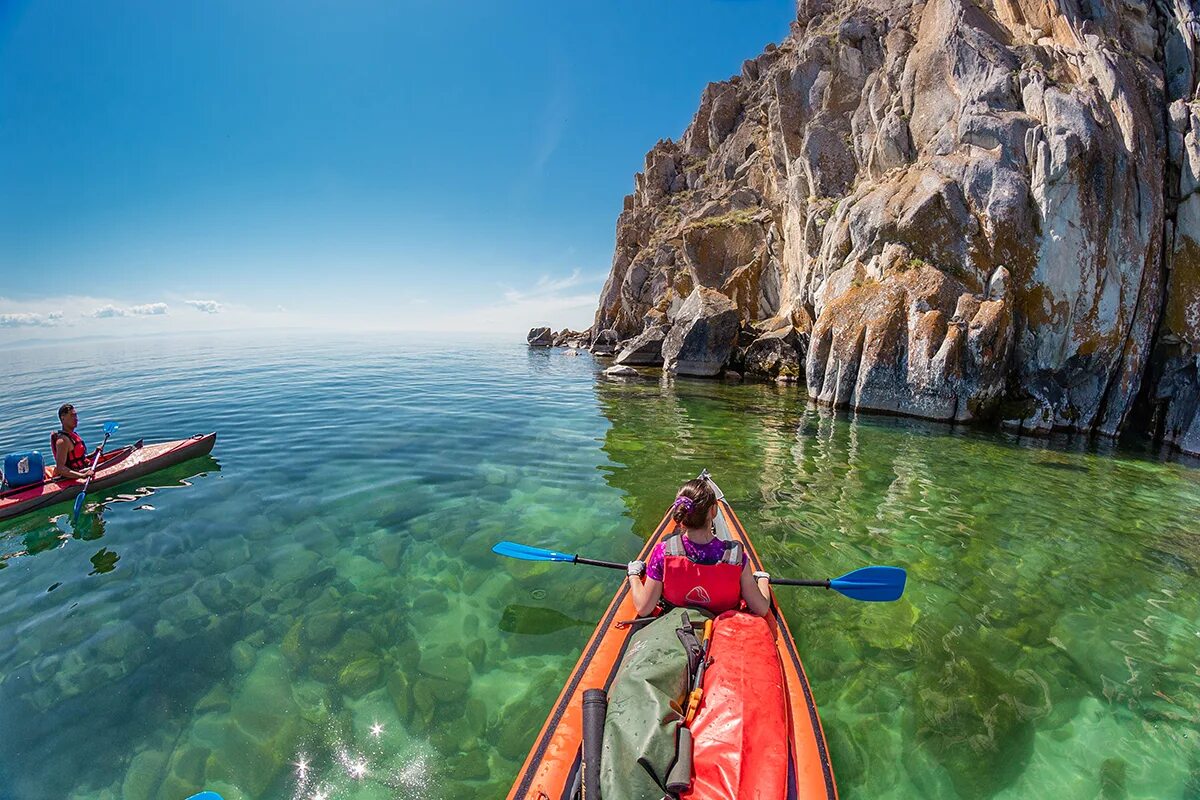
(315, 610)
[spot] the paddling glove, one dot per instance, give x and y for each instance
(636, 568)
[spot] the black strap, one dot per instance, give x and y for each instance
(691, 646)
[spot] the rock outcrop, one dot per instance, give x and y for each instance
(605, 343)
(986, 209)
(703, 333)
(645, 349)
(540, 337)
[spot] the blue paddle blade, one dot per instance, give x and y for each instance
(111, 427)
(873, 584)
(78, 507)
(205, 796)
(527, 553)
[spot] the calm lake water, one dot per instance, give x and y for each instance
(314, 611)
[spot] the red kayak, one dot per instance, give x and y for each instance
(121, 465)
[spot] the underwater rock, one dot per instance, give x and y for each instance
(143, 776)
(185, 772)
(216, 699)
(470, 766)
(293, 565)
(475, 716)
(360, 676)
(242, 656)
(321, 629)
(400, 692)
(293, 645)
(519, 723)
(123, 642)
(431, 602)
(424, 700)
(621, 372)
(391, 552)
(258, 737)
(477, 653)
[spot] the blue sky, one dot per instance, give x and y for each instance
(405, 164)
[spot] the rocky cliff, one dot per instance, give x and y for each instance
(951, 209)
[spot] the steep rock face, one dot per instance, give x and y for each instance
(967, 197)
(1174, 398)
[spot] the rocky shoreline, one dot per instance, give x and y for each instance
(957, 211)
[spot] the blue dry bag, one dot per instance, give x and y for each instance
(22, 469)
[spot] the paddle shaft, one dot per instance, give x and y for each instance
(88, 482)
(794, 582)
(594, 563)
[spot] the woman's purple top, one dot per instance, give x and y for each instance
(700, 553)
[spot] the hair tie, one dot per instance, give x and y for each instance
(685, 503)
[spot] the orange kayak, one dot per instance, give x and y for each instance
(551, 770)
(115, 467)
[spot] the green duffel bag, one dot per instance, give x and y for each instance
(644, 707)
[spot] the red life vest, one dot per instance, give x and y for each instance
(716, 587)
(77, 456)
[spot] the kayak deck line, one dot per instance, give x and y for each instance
(121, 465)
(551, 768)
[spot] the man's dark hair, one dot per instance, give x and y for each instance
(64, 409)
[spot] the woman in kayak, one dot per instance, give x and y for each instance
(695, 568)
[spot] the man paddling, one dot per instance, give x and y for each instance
(71, 459)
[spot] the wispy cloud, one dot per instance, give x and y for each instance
(207, 306)
(551, 300)
(25, 319)
(547, 287)
(552, 123)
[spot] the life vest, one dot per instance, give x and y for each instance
(715, 587)
(77, 457)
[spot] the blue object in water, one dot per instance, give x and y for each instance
(205, 796)
(22, 469)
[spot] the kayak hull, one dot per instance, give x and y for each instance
(121, 465)
(550, 771)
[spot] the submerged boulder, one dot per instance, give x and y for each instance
(703, 335)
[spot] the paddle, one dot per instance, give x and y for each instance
(870, 584)
(109, 429)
